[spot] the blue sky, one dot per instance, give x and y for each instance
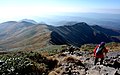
(86, 3)
(10, 9)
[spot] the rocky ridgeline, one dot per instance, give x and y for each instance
(81, 63)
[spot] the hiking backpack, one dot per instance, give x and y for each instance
(99, 50)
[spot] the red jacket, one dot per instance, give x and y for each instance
(99, 55)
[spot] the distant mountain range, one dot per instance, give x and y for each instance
(34, 36)
(106, 20)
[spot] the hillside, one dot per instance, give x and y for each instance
(109, 32)
(23, 34)
(27, 35)
(82, 33)
(10, 28)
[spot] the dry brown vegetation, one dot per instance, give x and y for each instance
(48, 60)
(32, 38)
(112, 46)
(69, 59)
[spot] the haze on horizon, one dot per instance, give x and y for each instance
(20, 9)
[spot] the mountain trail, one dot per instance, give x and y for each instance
(81, 63)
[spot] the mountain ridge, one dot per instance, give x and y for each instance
(20, 34)
(81, 33)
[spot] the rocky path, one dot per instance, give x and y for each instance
(81, 63)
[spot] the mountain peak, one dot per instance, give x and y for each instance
(9, 22)
(81, 23)
(78, 24)
(29, 20)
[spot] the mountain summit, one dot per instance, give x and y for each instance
(29, 20)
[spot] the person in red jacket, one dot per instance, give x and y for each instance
(101, 54)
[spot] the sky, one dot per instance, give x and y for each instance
(17, 9)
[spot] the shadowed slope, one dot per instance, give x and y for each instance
(77, 34)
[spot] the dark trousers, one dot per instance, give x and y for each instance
(96, 60)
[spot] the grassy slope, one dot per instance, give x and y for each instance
(31, 38)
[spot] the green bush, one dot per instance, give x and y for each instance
(21, 63)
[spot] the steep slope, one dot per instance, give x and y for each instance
(77, 34)
(38, 34)
(109, 32)
(21, 34)
(11, 27)
(114, 34)
(4, 27)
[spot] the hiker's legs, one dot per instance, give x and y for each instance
(72, 52)
(101, 61)
(96, 60)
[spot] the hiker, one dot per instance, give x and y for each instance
(99, 52)
(71, 49)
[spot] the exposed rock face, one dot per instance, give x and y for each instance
(74, 64)
(101, 70)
